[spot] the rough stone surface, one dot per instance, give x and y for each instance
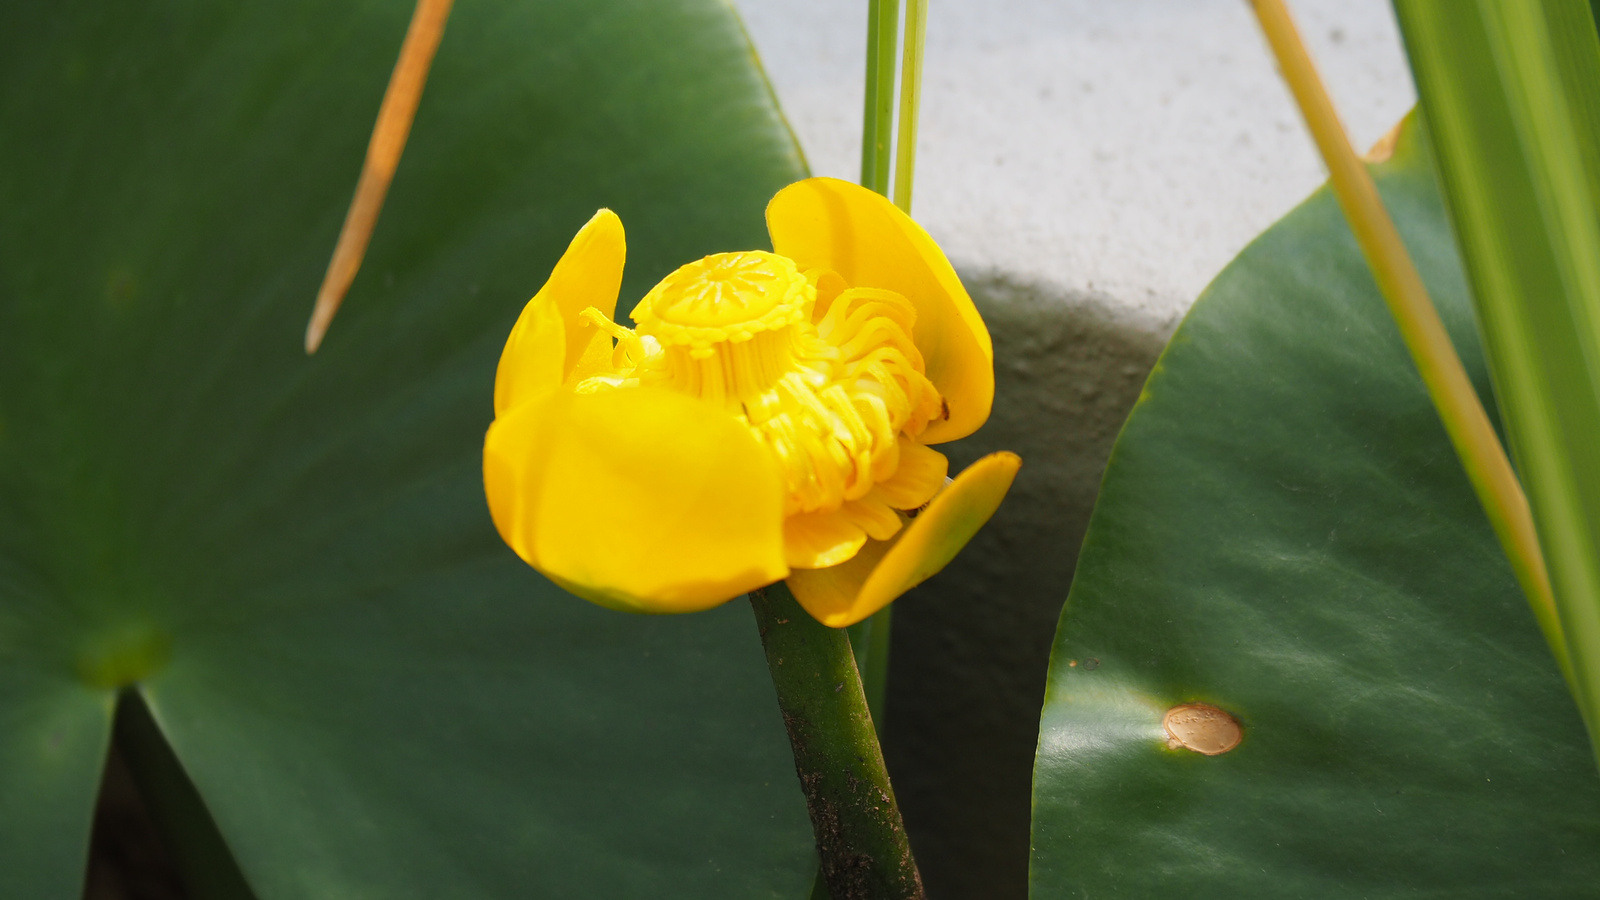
(1089, 166)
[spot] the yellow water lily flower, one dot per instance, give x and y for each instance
(768, 417)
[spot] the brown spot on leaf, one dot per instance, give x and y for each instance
(1202, 728)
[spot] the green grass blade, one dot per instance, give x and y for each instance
(869, 639)
(877, 125)
(1509, 91)
(905, 145)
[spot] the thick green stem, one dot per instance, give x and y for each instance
(869, 639)
(860, 836)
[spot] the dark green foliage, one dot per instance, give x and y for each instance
(373, 696)
(1285, 532)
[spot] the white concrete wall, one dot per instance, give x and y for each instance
(1117, 150)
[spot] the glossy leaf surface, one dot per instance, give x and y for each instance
(293, 556)
(1284, 532)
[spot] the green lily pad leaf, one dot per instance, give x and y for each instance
(53, 737)
(1284, 533)
(291, 557)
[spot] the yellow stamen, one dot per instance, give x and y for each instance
(725, 299)
(830, 399)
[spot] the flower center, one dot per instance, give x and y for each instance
(830, 398)
(724, 299)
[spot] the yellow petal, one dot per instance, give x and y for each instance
(530, 364)
(883, 570)
(588, 274)
(819, 539)
(511, 451)
(596, 358)
(642, 500)
(872, 515)
(918, 477)
(829, 285)
(829, 595)
(825, 223)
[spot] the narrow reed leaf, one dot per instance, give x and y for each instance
(389, 135)
(1510, 95)
(1449, 387)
